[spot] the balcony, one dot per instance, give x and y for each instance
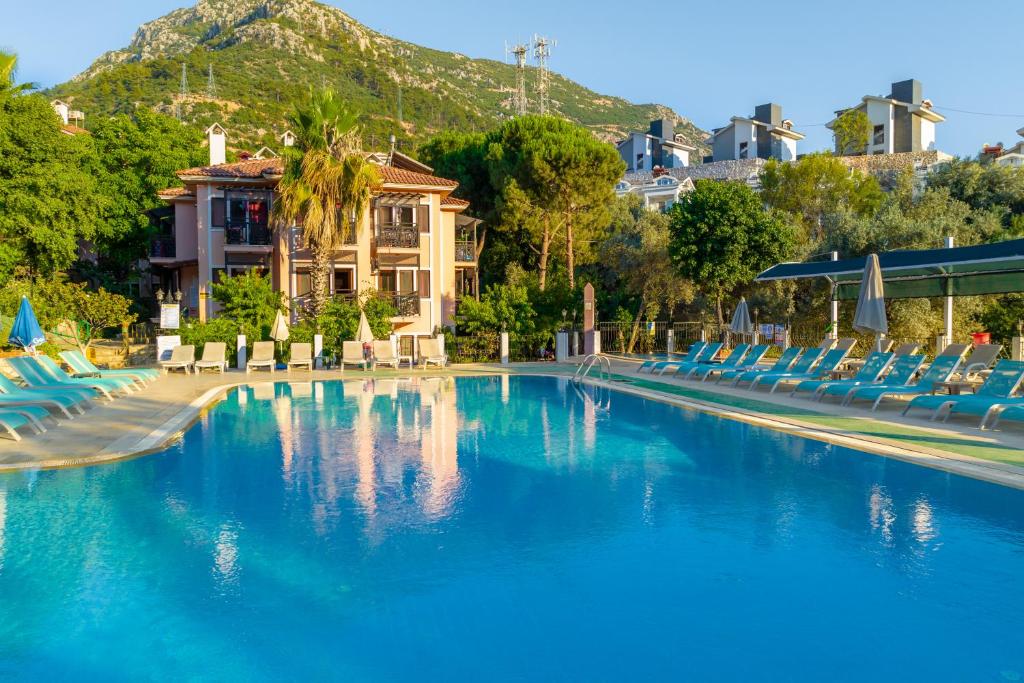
(398, 236)
(163, 246)
(407, 304)
(465, 251)
(247, 234)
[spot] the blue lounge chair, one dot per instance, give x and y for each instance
(11, 395)
(50, 367)
(1012, 409)
(32, 374)
(11, 422)
(941, 370)
(733, 360)
(77, 361)
(829, 362)
(691, 355)
(706, 356)
(801, 367)
(1001, 385)
(872, 369)
(903, 370)
(784, 363)
(749, 360)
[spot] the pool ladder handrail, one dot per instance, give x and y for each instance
(588, 363)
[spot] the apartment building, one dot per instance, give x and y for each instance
(659, 147)
(902, 121)
(413, 244)
(765, 135)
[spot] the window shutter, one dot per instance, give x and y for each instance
(423, 218)
(423, 279)
(218, 212)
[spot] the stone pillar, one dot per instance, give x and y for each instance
(670, 341)
(318, 351)
(504, 348)
(1017, 348)
(242, 352)
(575, 343)
(562, 347)
(591, 337)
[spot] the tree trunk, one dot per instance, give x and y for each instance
(718, 311)
(318, 275)
(545, 251)
(636, 327)
(570, 255)
(480, 244)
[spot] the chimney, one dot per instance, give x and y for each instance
(768, 113)
(216, 136)
(663, 129)
(907, 91)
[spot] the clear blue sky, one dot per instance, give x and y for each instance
(708, 61)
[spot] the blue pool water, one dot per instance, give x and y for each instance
(504, 529)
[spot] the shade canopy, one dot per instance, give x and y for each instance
(924, 273)
(870, 315)
(279, 332)
(364, 334)
(26, 332)
(741, 319)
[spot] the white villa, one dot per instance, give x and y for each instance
(902, 121)
(659, 193)
(765, 135)
(659, 147)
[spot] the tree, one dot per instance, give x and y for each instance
(137, 156)
(635, 257)
(8, 72)
(722, 237)
(986, 187)
(816, 186)
(555, 179)
(250, 300)
(852, 132)
(48, 197)
(501, 308)
(326, 185)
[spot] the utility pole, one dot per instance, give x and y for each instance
(541, 53)
(400, 117)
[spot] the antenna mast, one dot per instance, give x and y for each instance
(541, 52)
(519, 102)
(211, 87)
(183, 93)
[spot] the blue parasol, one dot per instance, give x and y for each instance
(26, 332)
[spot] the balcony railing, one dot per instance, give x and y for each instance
(241, 232)
(403, 236)
(407, 304)
(164, 246)
(465, 250)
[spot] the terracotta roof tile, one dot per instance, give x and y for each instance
(259, 168)
(72, 129)
(454, 203)
(172, 192)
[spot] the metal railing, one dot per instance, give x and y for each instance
(402, 236)
(584, 368)
(406, 303)
(163, 247)
(246, 233)
(465, 251)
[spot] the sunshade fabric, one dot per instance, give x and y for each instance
(364, 334)
(925, 273)
(870, 315)
(279, 332)
(26, 332)
(741, 319)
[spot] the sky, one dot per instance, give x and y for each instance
(707, 61)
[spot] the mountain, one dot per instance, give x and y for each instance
(265, 54)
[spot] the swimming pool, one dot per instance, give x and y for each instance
(501, 528)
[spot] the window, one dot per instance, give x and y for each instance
(406, 281)
(879, 137)
(403, 215)
(218, 212)
(344, 281)
(640, 161)
(424, 282)
(744, 153)
(388, 281)
(303, 283)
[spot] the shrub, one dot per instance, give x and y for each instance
(250, 301)
(216, 330)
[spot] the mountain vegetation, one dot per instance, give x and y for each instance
(265, 54)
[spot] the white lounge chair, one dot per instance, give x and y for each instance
(214, 358)
(302, 355)
(262, 357)
(384, 354)
(430, 353)
(182, 358)
(352, 354)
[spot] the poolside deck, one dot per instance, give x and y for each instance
(151, 419)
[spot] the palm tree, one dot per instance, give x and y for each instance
(8, 69)
(327, 183)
